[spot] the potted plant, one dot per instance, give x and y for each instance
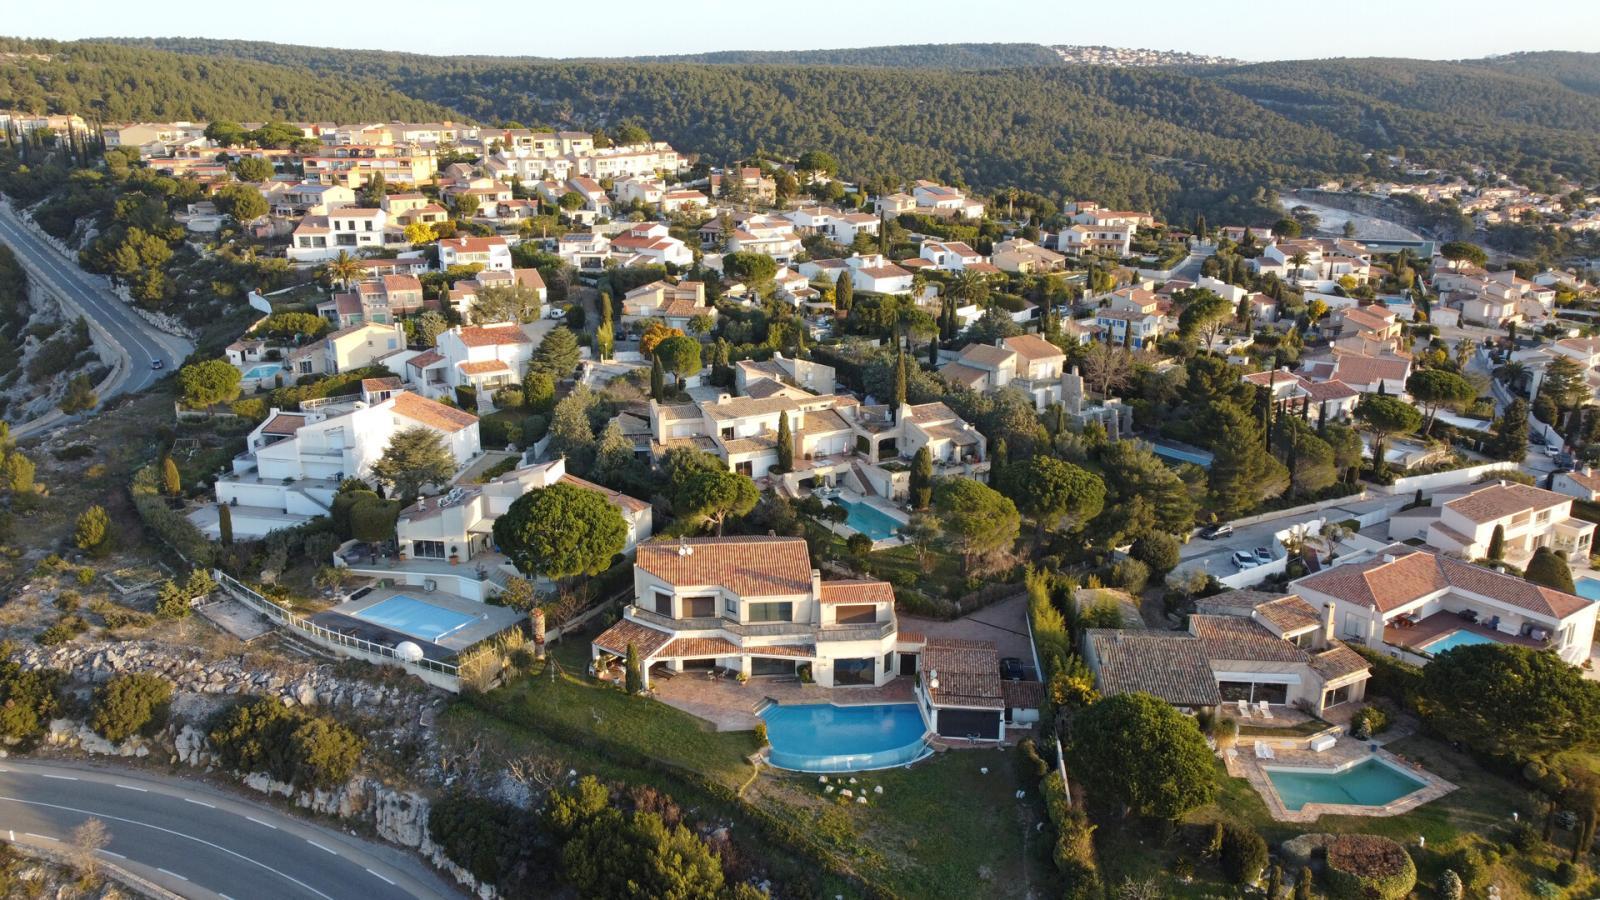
(455, 556)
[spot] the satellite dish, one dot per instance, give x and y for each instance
(408, 651)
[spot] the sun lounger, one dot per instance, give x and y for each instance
(1244, 709)
(1266, 711)
(1263, 751)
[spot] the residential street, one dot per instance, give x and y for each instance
(138, 342)
(199, 842)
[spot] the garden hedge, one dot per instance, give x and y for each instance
(1368, 867)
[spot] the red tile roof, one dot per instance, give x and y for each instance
(748, 566)
(432, 413)
(857, 591)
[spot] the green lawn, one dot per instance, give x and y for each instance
(1479, 811)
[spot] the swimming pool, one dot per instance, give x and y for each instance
(869, 520)
(1458, 638)
(264, 370)
(1588, 588)
(414, 617)
(822, 737)
(1371, 782)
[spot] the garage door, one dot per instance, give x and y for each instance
(960, 723)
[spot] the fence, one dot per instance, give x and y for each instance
(439, 674)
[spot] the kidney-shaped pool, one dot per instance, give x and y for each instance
(821, 737)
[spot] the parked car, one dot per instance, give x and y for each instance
(1011, 669)
(1218, 530)
(1244, 559)
(157, 363)
(1263, 555)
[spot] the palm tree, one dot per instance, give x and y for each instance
(1299, 260)
(343, 269)
(1464, 350)
(970, 286)
(1514, 373)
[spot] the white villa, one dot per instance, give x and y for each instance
(1403, 599)
(753, 605)
(1027, 362)
(447, 541)
(294, 461)
(1462, 522)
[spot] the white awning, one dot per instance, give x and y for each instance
(1259, 677)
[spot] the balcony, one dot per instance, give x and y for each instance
(866, 632)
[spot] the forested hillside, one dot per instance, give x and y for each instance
(1212, 139)
(115, 83)
(906, 56)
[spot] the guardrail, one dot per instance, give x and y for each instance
(440, 674)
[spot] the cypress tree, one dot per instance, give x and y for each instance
(658, 379)
(785, 444)
(899, 381)
(922, 478)
(224, 524)
(633, 681)
(171, 481)
(1497, 543)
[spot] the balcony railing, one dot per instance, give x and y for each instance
(866, 632)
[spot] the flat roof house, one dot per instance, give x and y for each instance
(753, 605)
(1462, 522)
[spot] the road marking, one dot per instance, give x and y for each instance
(113, 855)
(379, 877)
(199, 803)
(129, 787)
(320, 847)
(106, 816)
(42, 837)
(259, 822)
(172, 873)
(58, 777)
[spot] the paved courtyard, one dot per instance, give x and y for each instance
(730, 706)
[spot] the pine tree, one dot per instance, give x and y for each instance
(658, 379)
(785, 444)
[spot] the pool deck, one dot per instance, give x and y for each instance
(1413, 637)
(730, 706)
(488, 620)
(1241, 762)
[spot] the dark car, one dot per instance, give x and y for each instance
(1219, 530)
(1011, 669)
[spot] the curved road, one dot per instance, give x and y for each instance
(202, 843)
(138, 342)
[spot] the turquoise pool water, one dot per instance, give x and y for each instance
(414, 617)
(1588, 588)
(264, 370)
(822, 737)
(1370, 782)
(1458, 638)
(870, 521)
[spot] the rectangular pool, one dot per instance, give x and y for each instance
(264, 370)
(414, 617)
(1588, 588)
(1371, 782)
(1458, 638)
(869, 520)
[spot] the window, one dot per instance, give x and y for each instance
(1336, 696)
(1253, 691)
(771, 612)
(699, 607)
(730, 606)
(854, 671)
(427, 549)
(888, 663)
(862, 614)
(663, 603)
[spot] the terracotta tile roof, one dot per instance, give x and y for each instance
(1170, 666)
(748, 566)
(483, 367)
(284, 423)
(1402, 574)
(986, 355)
(425, 359)
(1500, 501)
(480, 336)
(683, 648)
(857, 591)
(740, 407)
(432, 413)
(1589, 479)
(645, 640)
(968, 673)
(1514, 591)
(1338, 661)
(1023, 694)
(1235, 637)
(628, 504)
(380, 384)
(959, 373)
(1289, 614)
(1321, 391)
(1032, 347)
(933, 412)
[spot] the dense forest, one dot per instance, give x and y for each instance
(114, 83)
(1181, 141)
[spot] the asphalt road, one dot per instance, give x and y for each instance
(199, 842)
(138, 340)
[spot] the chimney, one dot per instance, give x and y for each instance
(1327, 624)
(816, 584)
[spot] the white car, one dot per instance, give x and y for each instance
(1244, 559)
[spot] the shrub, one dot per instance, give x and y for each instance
(29, 698)
(1525, 837)
(1368, 867)
(1395, 679)
(484, 837)
(1130, 574)
(508, 398)
(290, 745)
(1074, 850)
(65, 629)
(1566, 874)
(1158, 550)
(1244, 854)
(1449, 886)
(1368, 721)
(130, 704)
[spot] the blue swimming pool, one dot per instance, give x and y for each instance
(869, 520)
(822, 737)
(264, 370)
(1588, 588)
(1458, 638)
(1371, 782)
(414, 617)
